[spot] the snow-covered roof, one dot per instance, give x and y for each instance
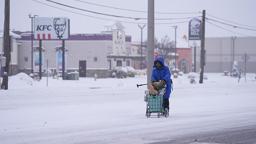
(14, 35)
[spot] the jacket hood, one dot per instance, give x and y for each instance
(159, 59)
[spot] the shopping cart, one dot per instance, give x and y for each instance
(155, 104)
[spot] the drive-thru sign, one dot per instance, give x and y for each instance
(194, 31)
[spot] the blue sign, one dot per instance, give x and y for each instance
(59, 59)
(36, 58)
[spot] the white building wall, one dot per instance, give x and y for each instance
(219, 53)
(24, 57)
(89, 51)
(76, 50)
(1, 45)
(14, 50)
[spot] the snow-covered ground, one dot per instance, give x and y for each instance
(113, 110)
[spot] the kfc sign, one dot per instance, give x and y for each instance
(51, 28)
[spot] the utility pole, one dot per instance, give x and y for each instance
(245, 63)
(151, 39)
(233, 51)
(32, 41)
(175, 44)
(194, 56)
(202, 57)
(6, 44)
(141, 43)
(40, 59)
(63, 59)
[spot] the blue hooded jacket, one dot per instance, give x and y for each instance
(162, 74)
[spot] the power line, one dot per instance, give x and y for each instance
(104, 19)
(112, 15)
(175, 18)
(254, 27)
(94, 17)
(94, 12)
(231, 25)
(131, 10)
(107, 6)
(220, 27)
(179, 22)
(167, 23)
(37, 1)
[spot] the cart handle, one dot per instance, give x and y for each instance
(138, 85)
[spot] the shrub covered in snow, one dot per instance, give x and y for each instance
(193, 75)
(123, 72)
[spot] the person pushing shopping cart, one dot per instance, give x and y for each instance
(159, 89)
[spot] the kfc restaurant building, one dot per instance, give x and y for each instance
(94, 53)
(85, 53)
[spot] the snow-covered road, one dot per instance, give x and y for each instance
(113, 110)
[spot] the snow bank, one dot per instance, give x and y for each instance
(193, 75)
(141, 72)
(21, 80)
(203, 143)
(112, 111)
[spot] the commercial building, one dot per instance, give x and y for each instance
(222, 52)
(14, 51)
(85, 53)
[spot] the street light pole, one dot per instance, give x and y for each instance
(32, 41)
(141, 39)
(233, 51)
(175, 42)
(194, 56)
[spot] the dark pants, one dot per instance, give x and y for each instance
(166, 103)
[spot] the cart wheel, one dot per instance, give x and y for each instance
(148, 114)
(166, 112)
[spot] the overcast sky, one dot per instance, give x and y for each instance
(237, 11)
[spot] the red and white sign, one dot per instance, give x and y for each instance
(51, 28)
